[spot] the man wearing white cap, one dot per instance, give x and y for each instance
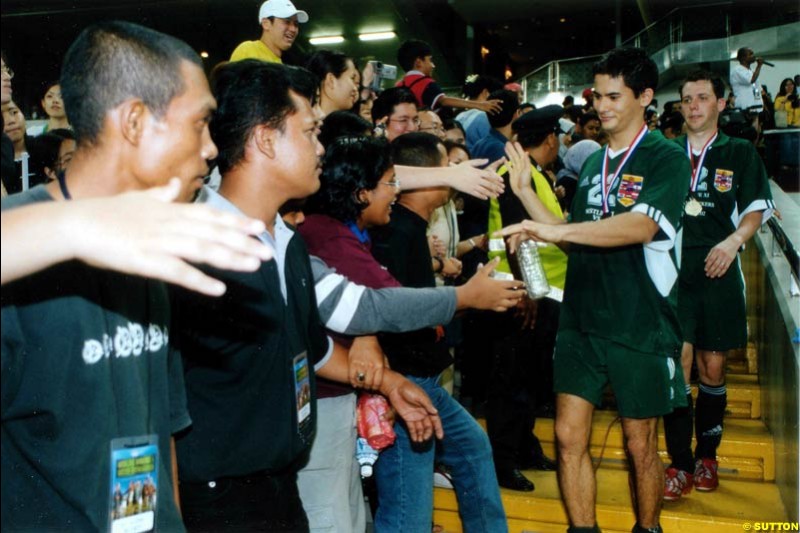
(280, 23)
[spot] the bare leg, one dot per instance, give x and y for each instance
(575, 472)
(648, 473)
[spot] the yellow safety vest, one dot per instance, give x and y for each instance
(554, 259)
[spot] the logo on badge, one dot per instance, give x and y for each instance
(629, 189)
(723, 180)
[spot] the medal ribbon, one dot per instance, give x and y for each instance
(696, 167)
(607, 184)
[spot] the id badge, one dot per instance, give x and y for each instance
(134, 484)
(302, 390)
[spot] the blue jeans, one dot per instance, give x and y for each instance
(404, 473)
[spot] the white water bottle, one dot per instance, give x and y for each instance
(532, 270)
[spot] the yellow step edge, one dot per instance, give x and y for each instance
(726, 509)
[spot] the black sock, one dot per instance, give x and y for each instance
(710, 411)
(593, 529)
(678, 433)
(639, 529)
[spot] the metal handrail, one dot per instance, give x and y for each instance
(786, 246)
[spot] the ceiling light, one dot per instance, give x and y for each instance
(377, 36)
(331, 39)
(204, 54)
(562, 19)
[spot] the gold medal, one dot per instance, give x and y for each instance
(693, 207)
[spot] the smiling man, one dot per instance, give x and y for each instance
(280, 24)
(618, 321)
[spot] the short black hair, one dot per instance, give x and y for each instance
(452, 145)
(324, 62)
(510, 104)
(585, 118)
(673, 121)
(388, 99)
(412, 50)
(476, 83)
(417, 149)
(637, 70)
(742, 52)
(533, 138)
(350, 165)
(343, 124)
(569, 99)
(705, 75)
(111, 62)
(250, 93)
(43, 149)
(450, 123)
(526, 105)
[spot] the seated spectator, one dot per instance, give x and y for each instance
(343, 124)
(24, 176)
(51, 153)
(416, 58)
(767, 116)
(53, 107)
(651, 118)
(404, 473)
(788, 102)
(338, 80)
(454, 131)
(477, 87)
(280, 24)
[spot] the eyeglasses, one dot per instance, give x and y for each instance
(7, 71)
(393, 183)
(405, 120)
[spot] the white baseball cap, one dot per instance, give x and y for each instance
(282, 9)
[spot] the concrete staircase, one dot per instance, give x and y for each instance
(746, 494)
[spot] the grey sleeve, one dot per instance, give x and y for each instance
(352, 309)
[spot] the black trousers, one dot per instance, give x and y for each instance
(522, 368)
(257, 502)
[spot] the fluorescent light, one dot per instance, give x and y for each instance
(377, 36)
(332, 39)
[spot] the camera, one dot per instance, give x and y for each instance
(381, 71)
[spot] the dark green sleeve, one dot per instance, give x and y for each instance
(753, 192)
(665, 188)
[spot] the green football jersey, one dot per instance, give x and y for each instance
(732, 183)
(628, 294)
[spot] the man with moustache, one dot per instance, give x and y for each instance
(618, 320)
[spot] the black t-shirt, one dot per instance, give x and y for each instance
(239, 352)
(85, 359)
(8, 170)
(402, 247)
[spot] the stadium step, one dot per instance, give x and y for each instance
(746, 453)
(733, 504)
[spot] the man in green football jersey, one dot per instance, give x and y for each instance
(729, 199)
(618, 320)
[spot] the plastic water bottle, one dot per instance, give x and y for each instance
(374, 430)
(530, 265)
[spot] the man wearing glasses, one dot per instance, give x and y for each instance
(280, 24)
(395, 112)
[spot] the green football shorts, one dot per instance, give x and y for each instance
(646, 385)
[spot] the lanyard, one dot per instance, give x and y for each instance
(697, 167)
(607, 184)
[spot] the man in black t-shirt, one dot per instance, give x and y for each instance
(404, 473)
(89, 377)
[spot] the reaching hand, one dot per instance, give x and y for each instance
(146, 234)
(451, 267)
(491, 106)
(484, 292)
(519, 168)
(480, 183)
